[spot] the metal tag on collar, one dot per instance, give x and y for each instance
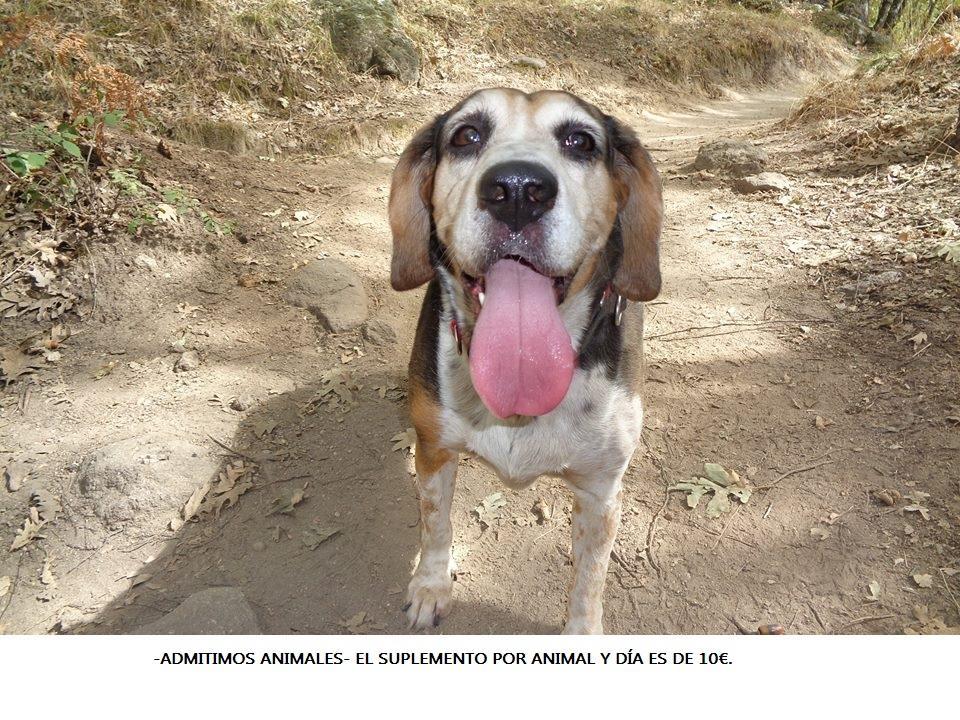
(618, 310)
(455, 327)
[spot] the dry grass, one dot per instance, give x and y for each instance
(909, 97)
(221, 72)
(688, 46)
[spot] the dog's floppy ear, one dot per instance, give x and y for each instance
(640, 213)
(410, 207)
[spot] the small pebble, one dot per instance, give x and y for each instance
(241, 403)
(190, 360)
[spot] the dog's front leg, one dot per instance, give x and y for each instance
(430, 593)
(596, 517)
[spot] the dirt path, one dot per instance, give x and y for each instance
(749, 366)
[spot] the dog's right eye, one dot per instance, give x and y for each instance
(467, 135)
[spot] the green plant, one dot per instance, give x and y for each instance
(23, 162)
(127, 183)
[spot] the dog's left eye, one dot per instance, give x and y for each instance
(580, 142)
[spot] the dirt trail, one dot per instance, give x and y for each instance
(744, 355)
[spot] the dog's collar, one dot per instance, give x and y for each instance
(618, 305)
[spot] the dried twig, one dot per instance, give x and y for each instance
(234, 452)
(859, 621)
(652, 528)
(752, 324)
(723, 532)
(19, 267)
(798, 470)
(953, 597)
(93, 277)
(13, 587)
(711, 531)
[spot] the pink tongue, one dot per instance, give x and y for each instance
(521, 358)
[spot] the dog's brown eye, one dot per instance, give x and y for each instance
(580, 142)
(467, 135)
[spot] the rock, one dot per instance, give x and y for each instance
(15, 474)
(379, 332)
(241, 403)
(330, 290)
(532, 62)
(145, 261)
(733, 157)
(367, 35)
(189, 360)
(763, 182)
(145, 478)
(872, 282)
(214, 611)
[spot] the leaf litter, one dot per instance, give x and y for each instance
(405, 442)
(212, 497)
(44, 508)
(286, 504)
(489, 509)
(721, 483)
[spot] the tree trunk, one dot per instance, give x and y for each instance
(892, 17)
(882, 13)
(857, 9)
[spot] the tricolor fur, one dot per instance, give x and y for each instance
(591, 224)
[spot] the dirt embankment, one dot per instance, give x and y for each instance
(174, 422)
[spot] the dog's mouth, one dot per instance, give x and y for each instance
(475, 286)
(521, 355)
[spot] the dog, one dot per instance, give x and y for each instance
(533, 219)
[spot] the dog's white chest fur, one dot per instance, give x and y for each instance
(593, 431)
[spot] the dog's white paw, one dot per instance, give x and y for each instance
(429, 599)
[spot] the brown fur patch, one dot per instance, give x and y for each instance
(409, 209)
(425, 414)
(640, 195)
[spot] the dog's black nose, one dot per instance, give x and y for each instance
(518, 192)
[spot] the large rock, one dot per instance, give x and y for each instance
(379, 332)
(367, 35)
(763, 182)
(141, 479)
(332, 291)
(214, 611)
(733, 157)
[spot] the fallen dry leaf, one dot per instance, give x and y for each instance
(286, 505)
(723, 484)
(31, 528)
(923, 580)
(488, 509)
(406, 440)
(314, 537)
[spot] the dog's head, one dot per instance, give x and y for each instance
(542, 178)
(528, 206)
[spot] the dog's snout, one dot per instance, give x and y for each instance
(517, 193)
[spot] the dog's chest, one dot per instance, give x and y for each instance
(593, 430)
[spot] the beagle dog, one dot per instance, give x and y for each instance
(534, 218)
